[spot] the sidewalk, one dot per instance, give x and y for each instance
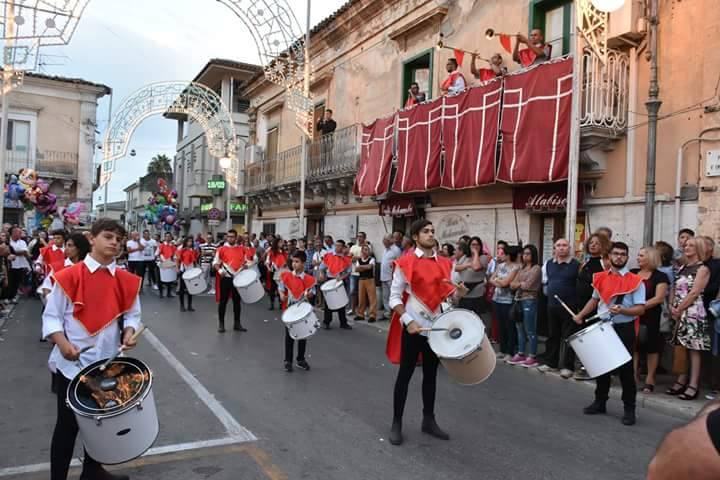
(657, 401)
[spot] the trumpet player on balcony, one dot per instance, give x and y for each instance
(455, 82)
(537, 50)
(497, 69)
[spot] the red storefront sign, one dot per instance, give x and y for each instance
(397, 207)
(543, 198)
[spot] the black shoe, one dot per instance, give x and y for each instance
(396, 436)
(629, 417)
(288, 367)
(97, 472)
(326, 326)
(595, 408)
(372, 320)
(162, 296)
(272, 307)
(346, 327)
(190, 309)
(303, 364)
(239, 328)
(170, 295)
(430, 426)
(182, 308)
(221, 329)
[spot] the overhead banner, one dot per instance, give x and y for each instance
(535, 126)
(418, 148)
(373, 177)
(471, 121)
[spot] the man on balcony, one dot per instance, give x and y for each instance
(326, 125)
(455, 82)
(497, 69)
(415, 96)
(537, 50)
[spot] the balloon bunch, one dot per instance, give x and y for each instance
(34, 193)
(161, 209)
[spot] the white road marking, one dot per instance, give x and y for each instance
(179, 447)
(231, 425)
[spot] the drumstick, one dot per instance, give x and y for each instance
(122, 348)
(564, 305)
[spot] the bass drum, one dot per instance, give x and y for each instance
(120, 431)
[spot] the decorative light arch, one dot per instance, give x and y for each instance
(195, 100)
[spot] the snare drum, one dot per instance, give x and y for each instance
(194, 279)
(468, 358)
(335, 294)
(248, 286)
(168, 271)
(300, 320)
(599, 348)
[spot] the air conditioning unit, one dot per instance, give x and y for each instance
(627, 25)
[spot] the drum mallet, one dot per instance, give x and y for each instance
(121, 349)
(564, 305)
(454, 333)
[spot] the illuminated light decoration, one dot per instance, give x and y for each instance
(608, 5)
(195, 100)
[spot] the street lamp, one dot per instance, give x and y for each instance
(225, 163)
(607, 5)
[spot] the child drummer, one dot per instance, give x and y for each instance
(292, 287)
(81, 319)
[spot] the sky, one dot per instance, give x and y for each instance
(127, 44)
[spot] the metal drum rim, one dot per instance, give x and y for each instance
(587, 330)
(452, 310)
(338, 284)
(239, 276)
(129, 405)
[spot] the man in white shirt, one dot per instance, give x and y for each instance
(392, 252)
(150, 245)
(136, 261)
(355, 252)
(75, 348)
(20, 263)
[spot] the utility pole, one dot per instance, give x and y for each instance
(6, 87)
(653, 106)
(574, 157)
(304, 151)
(105, 188)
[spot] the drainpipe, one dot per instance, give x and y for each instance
(679, 169)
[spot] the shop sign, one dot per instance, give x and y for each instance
(451, 227)
(216, 184)
(213, 223)
(543, 198)
(237, 207)
(397, 207)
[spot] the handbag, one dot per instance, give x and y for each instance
(516, 312)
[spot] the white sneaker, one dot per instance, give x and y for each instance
(155, 287)
(546, 369)
(565, 373)
(211, 292)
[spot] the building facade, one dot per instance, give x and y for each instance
(196, 171)
(52, 129)
(367, 54)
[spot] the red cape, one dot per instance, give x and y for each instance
(609, 285)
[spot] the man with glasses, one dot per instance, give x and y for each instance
(618, 296)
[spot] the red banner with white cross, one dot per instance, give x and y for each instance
(373, 176)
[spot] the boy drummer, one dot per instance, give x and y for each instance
(336, 265)
(82, 312)
(291, 288)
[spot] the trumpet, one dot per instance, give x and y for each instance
(441, 45)
(490, 33)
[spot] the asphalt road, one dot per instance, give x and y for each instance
(329, 423)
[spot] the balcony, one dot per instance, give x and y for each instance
(330, 157)
(54, 164)
(604, 109)
(15, 161)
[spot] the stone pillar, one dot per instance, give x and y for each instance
(86, 150)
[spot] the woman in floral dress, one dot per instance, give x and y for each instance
(692, 329)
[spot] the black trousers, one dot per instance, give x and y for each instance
(412, 345)
(138, 268)
(15, 278)
(289, 346)
(63, 439)
(328, 315)
(558, 354)
(626, 332)
(227, 290)
(153, 271)
(183, 292)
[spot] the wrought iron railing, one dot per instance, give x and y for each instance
(605, 91)
(15, 161)
(336, 154)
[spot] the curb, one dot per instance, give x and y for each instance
(654, 402)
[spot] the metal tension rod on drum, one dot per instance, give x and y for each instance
(454, 333)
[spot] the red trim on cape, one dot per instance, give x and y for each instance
(450, 80)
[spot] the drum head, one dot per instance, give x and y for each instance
(331, 284)
(192, 273)
(245, 278)
(472, 333)
(296, 312)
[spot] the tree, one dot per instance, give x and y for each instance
(160, 164)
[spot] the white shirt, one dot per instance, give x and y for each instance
(136, 256)
(58, 317)
(457, 86)
(400, 285)
(389, 256)
(149, 247)
(19, 246)
(47, 283)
